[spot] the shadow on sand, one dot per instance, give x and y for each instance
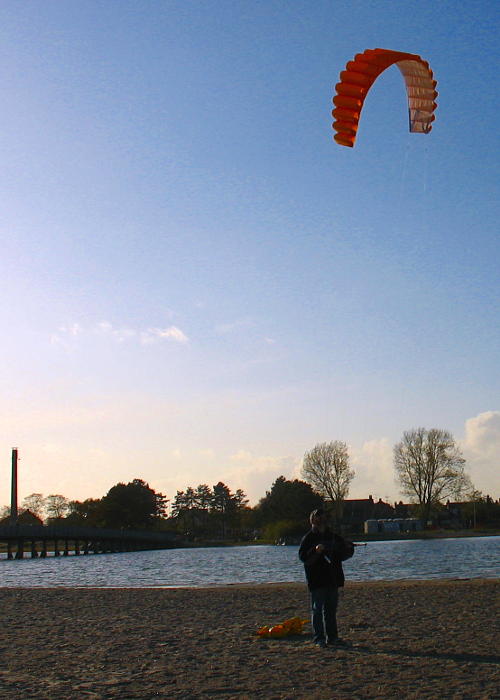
(463, 657)
(459, 657)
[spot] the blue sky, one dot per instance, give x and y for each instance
(198, 284)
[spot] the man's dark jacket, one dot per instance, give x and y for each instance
(320, 572)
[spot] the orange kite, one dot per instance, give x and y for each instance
(360, 74)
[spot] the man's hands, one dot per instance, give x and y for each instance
(320, 548)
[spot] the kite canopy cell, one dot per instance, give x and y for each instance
(360, 74)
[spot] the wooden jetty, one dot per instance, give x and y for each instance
(37, 540)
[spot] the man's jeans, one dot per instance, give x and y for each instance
(324, 613)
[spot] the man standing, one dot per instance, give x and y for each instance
(322, 553)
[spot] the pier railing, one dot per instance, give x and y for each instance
(38, 540)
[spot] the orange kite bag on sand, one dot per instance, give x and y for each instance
(284, 629)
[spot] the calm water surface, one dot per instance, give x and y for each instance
(471, 557)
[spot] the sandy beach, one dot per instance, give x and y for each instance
(409, 640)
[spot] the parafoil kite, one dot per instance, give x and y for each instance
(283, 629)
(360, 74)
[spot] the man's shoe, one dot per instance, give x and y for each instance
(338, 642)
(321, 644)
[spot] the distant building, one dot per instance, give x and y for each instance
(404, 510)
(24, 517)
(373, 526)
(356, 511)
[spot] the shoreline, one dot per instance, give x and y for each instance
(434, 639)
(258, 584)
(356, 536)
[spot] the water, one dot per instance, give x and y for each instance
(473, 557)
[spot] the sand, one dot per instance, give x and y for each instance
(410, 640)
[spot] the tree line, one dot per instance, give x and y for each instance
(428, 465)
(134, 505)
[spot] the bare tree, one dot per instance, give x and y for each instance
(326, 468)
(35, 502)
(56, 505)
(429, 467)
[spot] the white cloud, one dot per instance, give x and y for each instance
(66, 334)
(481, 449)
(171, 333)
